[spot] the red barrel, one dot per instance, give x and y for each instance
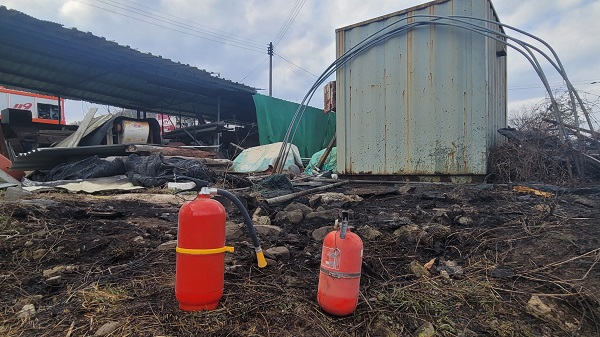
(200, 266)
(339, 279)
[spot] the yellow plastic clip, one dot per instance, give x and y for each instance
(209, 251)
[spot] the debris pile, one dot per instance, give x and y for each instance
(535, 155)
(439, 260)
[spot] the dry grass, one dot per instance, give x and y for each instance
(97, 299)
(547, 244)
(532, 161)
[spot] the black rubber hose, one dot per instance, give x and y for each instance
(248, 221)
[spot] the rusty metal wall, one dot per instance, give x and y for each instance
(425, 102)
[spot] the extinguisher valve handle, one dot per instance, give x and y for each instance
(260, 256)
(208, 191)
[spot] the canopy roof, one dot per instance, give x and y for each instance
(45, 57)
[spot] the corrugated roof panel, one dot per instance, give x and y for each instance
(48, 58)
(48, 158)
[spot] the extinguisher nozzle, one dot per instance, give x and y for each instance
(260, 256)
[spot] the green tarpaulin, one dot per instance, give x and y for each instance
(274, 116)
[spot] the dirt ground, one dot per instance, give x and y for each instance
(464, 260)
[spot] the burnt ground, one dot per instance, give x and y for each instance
(505, 264)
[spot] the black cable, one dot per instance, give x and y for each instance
(295, 71)
(293, 15)
(249, 224)
(254, 69)
(173, 29)
(244, 212)
(295, 65)
(217, 32)
(287, 18)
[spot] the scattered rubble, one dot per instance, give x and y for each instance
(261, 221)
(268, 231)
(417, 269)
(425, 330)
(15, 193)
(39, 253)
(423, 234)
(107, 329)
(320, 233)
(57, 270)
(369, 233)
(169, 245)
(278, 253)
(324, 214)
(550, 312)
(332, 199)
(450, 268)
(27, 311)
(436, 255)
(294, 216)
(294, 206)
(234, 231)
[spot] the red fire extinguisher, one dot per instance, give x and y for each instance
(200, 264)
(339, 279)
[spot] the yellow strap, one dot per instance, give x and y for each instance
(204, 251)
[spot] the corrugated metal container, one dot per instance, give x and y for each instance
(424, 102)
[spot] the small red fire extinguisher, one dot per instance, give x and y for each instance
(339, 279)
(200, 264)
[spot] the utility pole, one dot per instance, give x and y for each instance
(270, 52)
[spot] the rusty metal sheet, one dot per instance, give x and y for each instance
(373, 190)
(425, 102)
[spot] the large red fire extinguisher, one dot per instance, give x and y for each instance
(339, 279)
(200, 264)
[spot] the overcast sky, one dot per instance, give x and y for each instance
(230, 37)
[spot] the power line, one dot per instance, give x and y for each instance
(221, 33)
(534, 86)
(299, 74)
(295, 65)
(289, 20)
(230, 43)
(295, 70)
(177, 24)
(253, 70)
(286, 20)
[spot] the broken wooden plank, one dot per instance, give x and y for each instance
(170, 151)
(237, 146)
(393, 182)
(373, 190)
(283, 198)
(207, 161)
(236, 149)
(327, 151)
